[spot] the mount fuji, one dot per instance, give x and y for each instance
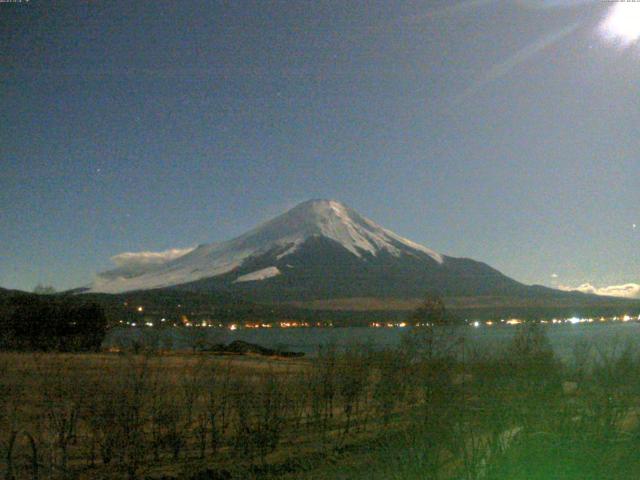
(319, 250)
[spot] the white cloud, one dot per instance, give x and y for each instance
(129, 259)
(628, 290)
(134, 264)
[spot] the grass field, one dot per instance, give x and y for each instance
(409, 413)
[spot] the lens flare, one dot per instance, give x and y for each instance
(622, 24)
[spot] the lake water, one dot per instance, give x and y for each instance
(605, 337)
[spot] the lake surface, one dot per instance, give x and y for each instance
(604, 337)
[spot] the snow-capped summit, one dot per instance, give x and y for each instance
(320, 249)
(332, 220)
(327, 219)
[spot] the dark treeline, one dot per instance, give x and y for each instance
(226, 308)
(51, 323)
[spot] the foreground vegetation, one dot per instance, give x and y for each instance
(421, 411)
(51, 323)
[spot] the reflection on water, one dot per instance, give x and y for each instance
(603, 337)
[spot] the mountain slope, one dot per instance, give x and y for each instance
(283, 236)
(318, 250)
(321, 268)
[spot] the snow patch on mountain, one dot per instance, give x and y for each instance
(259, 275)
(283, 234)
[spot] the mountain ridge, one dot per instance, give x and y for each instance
(285, 233)
(319, 251)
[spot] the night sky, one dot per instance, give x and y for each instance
(504, 131)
